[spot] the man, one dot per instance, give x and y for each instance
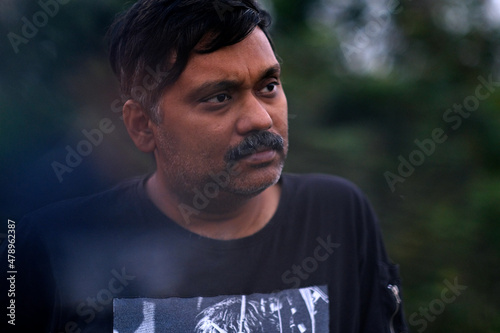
(217, 228)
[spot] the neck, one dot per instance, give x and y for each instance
(229, 216)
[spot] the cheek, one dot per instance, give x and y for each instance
(280, 118)
(196, 146)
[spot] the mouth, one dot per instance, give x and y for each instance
(260, 147)
(260, 156)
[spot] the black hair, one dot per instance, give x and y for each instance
(156, 38)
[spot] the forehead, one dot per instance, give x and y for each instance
(243, 60)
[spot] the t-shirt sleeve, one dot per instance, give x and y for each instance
(381, 298)
(361, 273)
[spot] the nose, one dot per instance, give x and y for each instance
(253, 116)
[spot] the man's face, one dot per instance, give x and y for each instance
(221, 99)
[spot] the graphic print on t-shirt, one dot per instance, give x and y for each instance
(288, 311)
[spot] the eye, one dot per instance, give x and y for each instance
(269, 88)
(220, 98)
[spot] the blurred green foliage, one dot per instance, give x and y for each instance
(364, 80)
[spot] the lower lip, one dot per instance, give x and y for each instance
(261, 157)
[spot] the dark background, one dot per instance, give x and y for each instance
(364, 80)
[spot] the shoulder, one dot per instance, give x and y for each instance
(326, 197)
(89, 208)
(321, 185)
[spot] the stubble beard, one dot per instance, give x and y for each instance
(218, 191)
(216, 188)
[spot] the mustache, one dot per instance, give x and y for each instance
(262, 140)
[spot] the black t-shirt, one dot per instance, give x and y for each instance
(113, 261)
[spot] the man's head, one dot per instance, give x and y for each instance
(205, 94)
(150, 44)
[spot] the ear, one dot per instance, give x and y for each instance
(138, 124)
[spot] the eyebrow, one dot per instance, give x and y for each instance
(274, 70)
(220, 85)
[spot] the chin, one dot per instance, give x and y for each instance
(253, 182)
